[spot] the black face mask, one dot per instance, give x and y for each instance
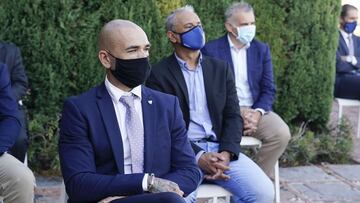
(131, 72)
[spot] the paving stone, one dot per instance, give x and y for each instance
(287, 196)
(304, 173)
(350, 172)
(327, 191)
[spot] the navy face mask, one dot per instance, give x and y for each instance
(350, 27)
(131, 72)
(193, 39)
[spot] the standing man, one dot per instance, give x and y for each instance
(347, 81)
(16, 180)
(206, 91)
(11, 56)
(121, 141)
(251, 64)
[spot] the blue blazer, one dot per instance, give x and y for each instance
(342, 50)
(259, 68)
(91, 151)
(9, 123)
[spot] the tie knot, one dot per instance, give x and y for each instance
(128, 101)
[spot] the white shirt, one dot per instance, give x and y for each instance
(346, 36)
(120, 111)
(241, 74)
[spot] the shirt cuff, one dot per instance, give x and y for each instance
(353, 60)
(262, 111)
(144, 182)
(198, 155)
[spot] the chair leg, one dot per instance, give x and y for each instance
(26, 160)
(227, 199)
(340, 113)
(358, 126)
(277, 183)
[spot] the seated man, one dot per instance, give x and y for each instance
(121, 141)
(16, 180)
(251, 65)
(347, 81)
(206, 91)
(11, 56)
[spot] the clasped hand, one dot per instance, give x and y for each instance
(214, 165)
(163, 185)
(251, 119)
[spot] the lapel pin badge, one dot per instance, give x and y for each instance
(150, 101)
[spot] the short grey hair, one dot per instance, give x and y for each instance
(170, 20)
(238, 6)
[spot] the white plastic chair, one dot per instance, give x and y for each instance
(348, 102)
(214, 192)
(251, 142)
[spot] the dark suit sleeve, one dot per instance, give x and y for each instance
(267, 84)
(342, 66)
(19, 80)
(184, 168)
(232, 121)
(154, 83)
(77, 158)
(9, 123)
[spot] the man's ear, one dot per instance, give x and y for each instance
(104, 59)
(171, 36)
(229, 28)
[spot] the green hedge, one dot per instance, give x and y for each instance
(58, 42)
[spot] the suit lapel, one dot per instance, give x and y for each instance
(250, 60)
(208, 84)
(355, 44)
(343, 45)
(108, 115)
(179, 77)
(149, 118)
(226, 52)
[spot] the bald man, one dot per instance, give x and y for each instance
(120, 141)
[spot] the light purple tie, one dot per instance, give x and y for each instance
(135, 132)
(351, 46)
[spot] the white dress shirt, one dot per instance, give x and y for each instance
(241, 74)
(120, 111)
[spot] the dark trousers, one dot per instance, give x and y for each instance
(347, 86)
(19, 149)
(164, 197)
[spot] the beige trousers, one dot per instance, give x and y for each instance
(16, 181)
(275, 135)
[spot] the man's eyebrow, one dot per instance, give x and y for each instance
(132, 47)
(187, 24)
(137, 47)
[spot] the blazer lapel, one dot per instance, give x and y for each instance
(208, 84)
(108, 115)
(355, 44)
(226, 52)
(343, 45)
(149, 118)
(179, 77)
(250, 60)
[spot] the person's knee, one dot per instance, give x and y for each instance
(284, 135)
(171, 197)
(25, 180)
(267, 194)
